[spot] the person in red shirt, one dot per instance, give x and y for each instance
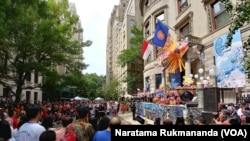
(15, 119)
(45, 112)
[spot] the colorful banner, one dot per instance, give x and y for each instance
(152, 110)
(230, 72)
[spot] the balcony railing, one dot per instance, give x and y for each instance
(193, 40)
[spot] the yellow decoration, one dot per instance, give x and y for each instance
(187, 81)
(161, 86)
(170, 56)
(174, 60)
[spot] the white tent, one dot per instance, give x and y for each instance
(77, 98)
(99, 99)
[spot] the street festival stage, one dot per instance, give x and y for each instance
(166, 107)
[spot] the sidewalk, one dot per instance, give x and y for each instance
(127, 116)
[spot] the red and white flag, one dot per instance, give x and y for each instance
(146, 50)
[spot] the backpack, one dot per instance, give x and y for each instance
(69, 134)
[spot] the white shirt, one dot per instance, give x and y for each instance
(239, 112)
(29, 131)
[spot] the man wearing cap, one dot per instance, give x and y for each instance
(31, 130)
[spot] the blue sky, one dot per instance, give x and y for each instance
(94, 16)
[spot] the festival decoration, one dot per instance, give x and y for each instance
(174, 59)
(187, 81)
(170, 57)
(161, 86)
(152, 110)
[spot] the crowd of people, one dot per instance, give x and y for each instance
(57, 121)
(89, 121)
(227, 114)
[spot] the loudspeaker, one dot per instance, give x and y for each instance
(140, 119)
(211, 99)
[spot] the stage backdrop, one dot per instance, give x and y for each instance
(230, 72)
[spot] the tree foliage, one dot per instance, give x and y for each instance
(94, 85)
(240, 16)
(111, 91)
(73, 84)
(239, 13)
(36, 35)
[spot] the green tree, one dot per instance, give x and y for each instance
(51, 87)
(76, 83)
(240, 16)
(95, 85)
(36, 35)
(111, 91)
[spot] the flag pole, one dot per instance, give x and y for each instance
(164, 69)
(166, 25)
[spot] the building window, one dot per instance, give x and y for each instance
(147, 3)
(132, 23)
(27, 95)
(36, 77)
(220, 16)
(158, 80)
(35, 96)
(182, 5)
(28, 76)
(160, 17)
(147, 84)
(149, 58)
(184, 31)
(146, 29)
(6, 91)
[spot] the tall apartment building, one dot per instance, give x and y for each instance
(77, 36)
(123, 18)
(200, 22)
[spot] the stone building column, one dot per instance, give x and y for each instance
(200, 95)
(187, 67)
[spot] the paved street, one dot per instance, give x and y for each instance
(128, 119)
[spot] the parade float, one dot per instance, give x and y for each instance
(167, 106)
(169, 103)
